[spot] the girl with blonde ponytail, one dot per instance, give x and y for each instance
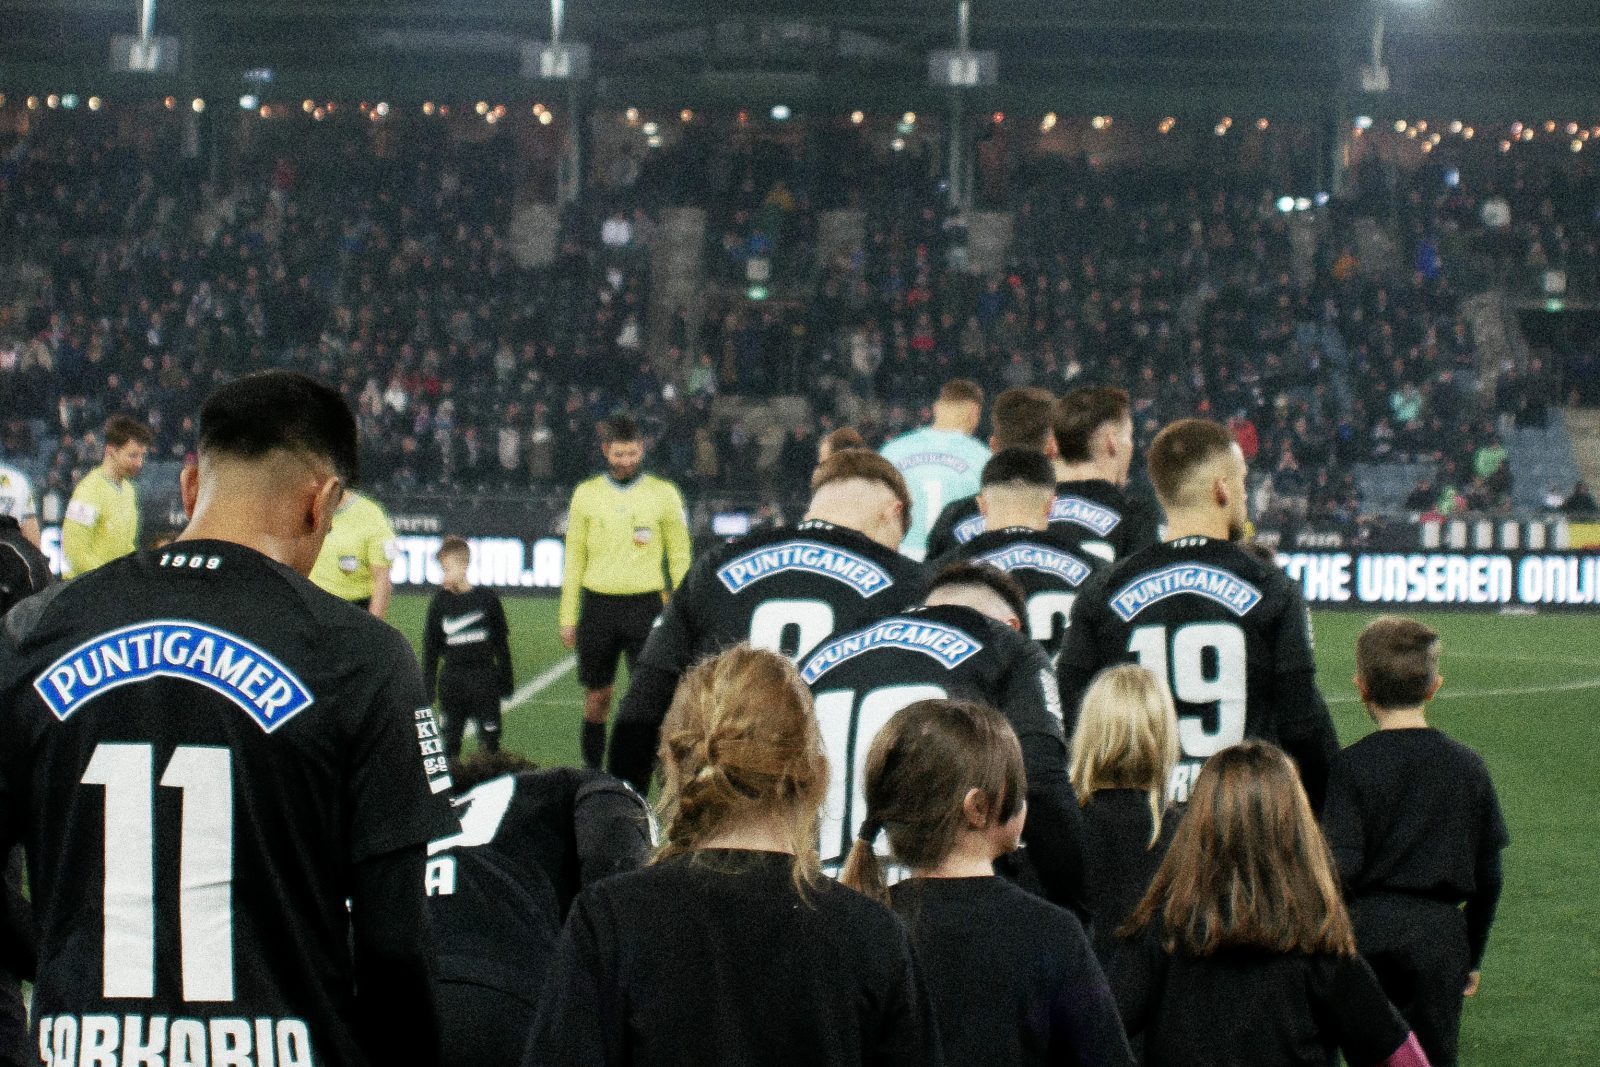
(731, 947)
(1013, 979)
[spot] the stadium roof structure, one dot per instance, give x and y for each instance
(1281, 57)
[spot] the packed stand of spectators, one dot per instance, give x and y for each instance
(383, 263)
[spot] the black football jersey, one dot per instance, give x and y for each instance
(196, 747)
(1228, 631)
(466, 632)
(860, 679)
(500, 889)
(1093, 516)
(1046, 564)
(24, 570)
(785, 590)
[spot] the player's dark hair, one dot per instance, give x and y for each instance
(993, 579)
(919, 770)
(1248, 867)
(483, 765)
(1081, 414)
(842, 438)
(1026, 466)
(867, 465)
(1022, 418)
(454, 545)
(1398, 660)
(740, 744)
(121, 429)
(1181, 449)
(621, 430)
(961, 391)
(281, 411)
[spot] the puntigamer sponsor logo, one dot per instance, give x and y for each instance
(168, 648)
(946, 644)
(967, 529)
(1213, 583)
(861, 574)
(1086, 513)
(1031, 557)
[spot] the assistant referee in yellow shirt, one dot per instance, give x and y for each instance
(627, 535)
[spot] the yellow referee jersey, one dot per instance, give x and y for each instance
(617, 536)
(361, 540)
(101, 524)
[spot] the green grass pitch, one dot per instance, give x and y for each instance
(1524, 692)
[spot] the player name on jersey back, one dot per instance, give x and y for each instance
(829, 561)
(128, 1040)
(1215, 584)
(226, 664)
(950, 646)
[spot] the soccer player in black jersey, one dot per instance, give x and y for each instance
(784, 590)
(1020, 418)
(1228, 630)
(466, 628)
(499, 890)
(225, 778)
(24, 570)
(963, 643)
(1018, 486)
(1092, 436)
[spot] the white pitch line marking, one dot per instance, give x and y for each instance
(528, 690)
(1447, 693)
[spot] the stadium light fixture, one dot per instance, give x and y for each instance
(249, 102)
(781, 113)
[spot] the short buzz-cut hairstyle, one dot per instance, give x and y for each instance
(281, 411)
(621, 429)
(962, 391)
(1022, 417)
(1019, 466)
(993, 579)
(123, 429)
(863, 463)
(454, 545)
(1398, 660)
(1180, 450)
(1080, 414)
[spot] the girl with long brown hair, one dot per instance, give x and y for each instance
(1012, 976)
(1241, 953)
(732, 948)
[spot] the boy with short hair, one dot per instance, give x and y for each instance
(467, 629)
(1415, 826)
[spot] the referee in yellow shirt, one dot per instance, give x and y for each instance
(356, 557)
(102, 520)
(622, 526)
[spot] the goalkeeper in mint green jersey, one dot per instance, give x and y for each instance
(942, 462)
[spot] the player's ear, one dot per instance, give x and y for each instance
(189, 487)
(975, 806)
(983, 506)
(1014, 622)
(323, 502)
(1361, 688)
(1433, 690)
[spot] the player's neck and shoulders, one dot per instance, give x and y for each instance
(933, 438)
(990, 541)
(1204, 551)
(1386, 751)
(604, 484)
(819, 532)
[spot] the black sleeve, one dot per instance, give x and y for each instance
(906, 1034)
(1306, 733)
(1137, 973)
(612, 825)
(19, 950)
(1484, 901)
(1342, 825)
(432, 648)
(579, 1022)
(1079, 659)
(500, 635)
(1054, 831)
(637, 730)
(1354, 1011)
(1085, 1028)
(396, 1016)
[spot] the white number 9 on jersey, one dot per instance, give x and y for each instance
(1224, 687)
(791, 628)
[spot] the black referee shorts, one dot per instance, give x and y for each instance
(610, 627)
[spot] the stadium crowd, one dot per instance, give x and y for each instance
(385, 263)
